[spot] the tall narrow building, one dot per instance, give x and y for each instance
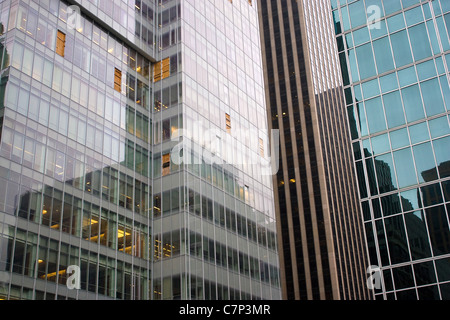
(395, 58)
(320, 232)
(133, 144)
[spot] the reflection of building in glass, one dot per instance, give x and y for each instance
(89, 119)
(396, 84)
(322, 249)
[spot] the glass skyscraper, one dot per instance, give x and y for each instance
(395, 56)
(134, 145)
(322, 248)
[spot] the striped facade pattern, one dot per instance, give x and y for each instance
(320, 234)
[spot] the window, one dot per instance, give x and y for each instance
(161, 70)
(261, 147)
(60, 43)
(228, 122)
(117, 80)
(166, 164)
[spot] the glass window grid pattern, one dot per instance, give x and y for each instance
(209, 85)
(79, 113)
(381, 182)
(67, 149)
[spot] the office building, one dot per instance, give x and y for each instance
(320, 232)
(394, 57)
(106, 170)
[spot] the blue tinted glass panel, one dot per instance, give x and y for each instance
(433, 37)
(349, 40)
(380, 144)
(380, 30)
(419, 42)
(337, 22)
(443, 33)
(375, 115)
(400, 46)
(398, 245)
(413, 16)
(439, 127)
(385, 173)
(411, 200)
(409, 3)
(432, 97)
(388, 82)
(417, 234)
(370, 89)
(445, 90)
(396, 23)
(426, 70)
(365, 61)
(419, 133)
(357, 14)
(442, 152)
(407, 76)
(361, 36)
(425, 165)
(367, 148)
(353, 65)
(345, 19)
(406, 173)
(399, 138)
(439, 230)
(413, 103)
(358, 93)
(392, 6)
(445, 6)
(394, 109)
(362, 119)
(383, 56)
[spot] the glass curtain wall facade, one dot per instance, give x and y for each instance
(91, 106)
(214, 222)
(395, 56)
(321, 241)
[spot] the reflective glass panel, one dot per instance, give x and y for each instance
(383, 56)
(424, 273)
(399, 138)
(405, 168)
(394, 109)
(375, 115)
(417, 235)
(385, 173)
(443, 269)
(413, 103)
(432, 97)
(439, 127)
(419, 42)
(403, 277)
(400, 46)
(442, 152)
(388, 82)
(439, 230)
(398, 247)
(411, 200)
(425, 165)
(419, 133)
(366, 62)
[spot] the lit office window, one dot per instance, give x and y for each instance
(60, 43)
